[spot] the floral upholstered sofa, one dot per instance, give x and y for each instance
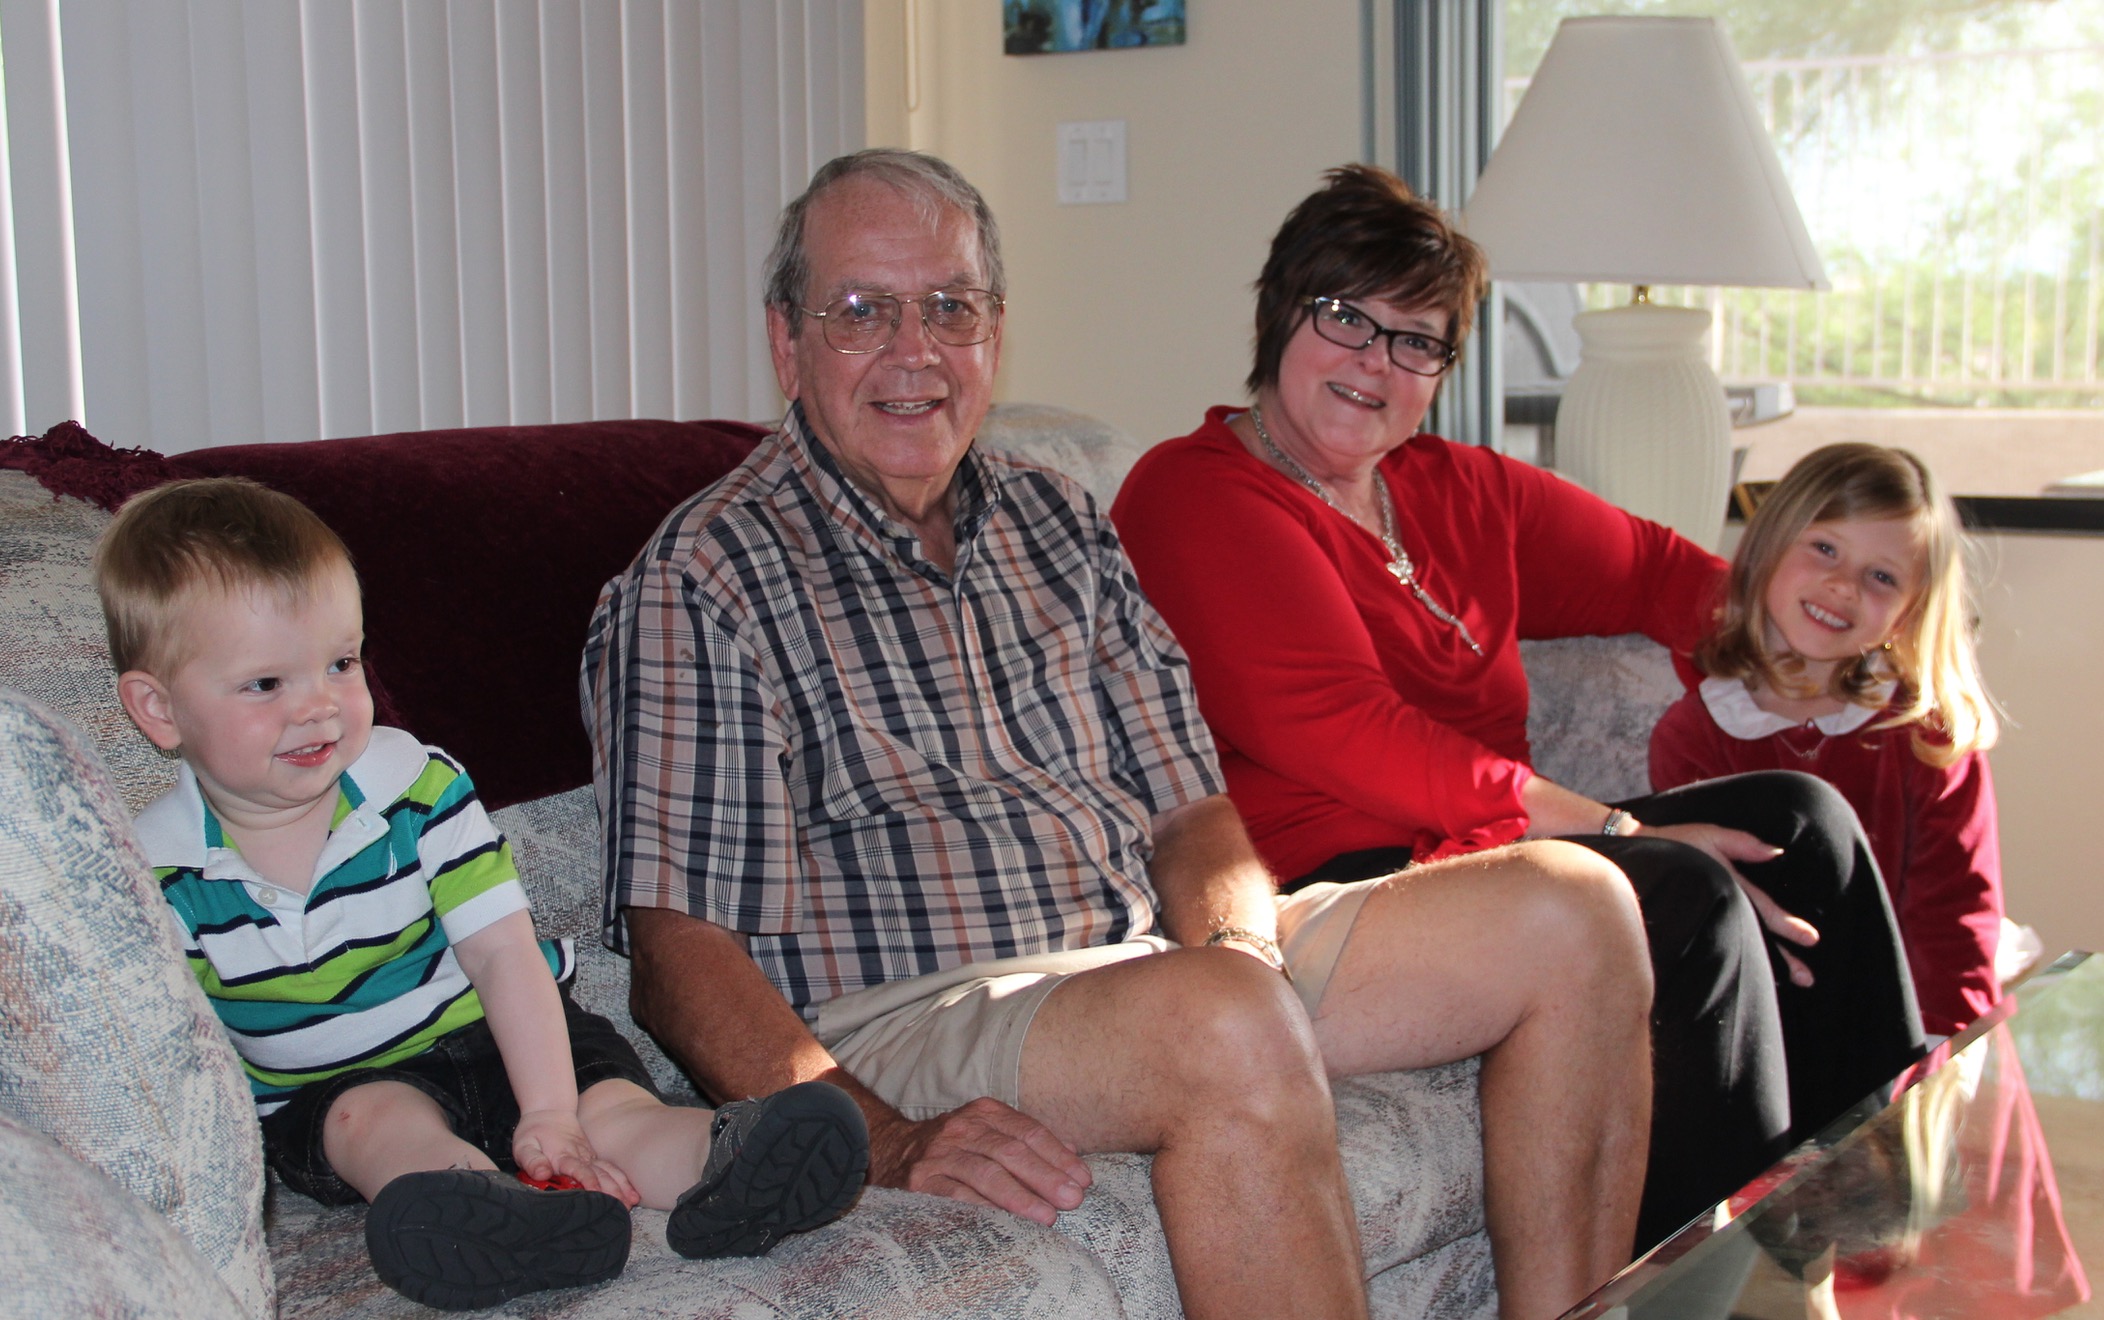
(131, 1177)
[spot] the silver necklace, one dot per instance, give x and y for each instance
(1811, 753)
(1399, 563)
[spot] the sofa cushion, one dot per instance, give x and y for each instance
(1094, 453)
(895, 1254)
(106, 1043)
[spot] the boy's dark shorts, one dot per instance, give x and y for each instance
(464, 1073)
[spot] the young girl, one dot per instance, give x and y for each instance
(1844, 650)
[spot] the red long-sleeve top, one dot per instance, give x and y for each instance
(1346, 716)
(1931, 828)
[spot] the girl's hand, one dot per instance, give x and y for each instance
(1731, 847)
(550, 1141)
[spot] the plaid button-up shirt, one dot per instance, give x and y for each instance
(806, 732)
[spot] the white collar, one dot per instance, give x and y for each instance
(171, 830)
(1733, 708)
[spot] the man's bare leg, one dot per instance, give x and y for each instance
(1534, 957)
(1204, 1057)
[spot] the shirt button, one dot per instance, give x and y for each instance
(267, 897)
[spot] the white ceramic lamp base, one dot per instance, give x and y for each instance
(1644, 423)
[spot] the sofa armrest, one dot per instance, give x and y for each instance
(72, 1242)
(107, 1045)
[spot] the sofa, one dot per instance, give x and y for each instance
(131, 1175)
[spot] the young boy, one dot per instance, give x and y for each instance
(358, 925)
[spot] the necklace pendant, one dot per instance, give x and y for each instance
(1399, 565)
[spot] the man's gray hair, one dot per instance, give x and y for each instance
(933, 182)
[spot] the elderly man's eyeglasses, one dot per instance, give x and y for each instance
(1346, 326)
(867, 322)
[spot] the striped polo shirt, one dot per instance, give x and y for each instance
(805, 731)
(358, 972)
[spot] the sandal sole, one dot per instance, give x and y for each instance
(801, 1166)
(463, 1239)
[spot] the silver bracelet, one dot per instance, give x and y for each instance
(1266, 947)
(1615, 817)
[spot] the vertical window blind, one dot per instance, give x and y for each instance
(228, 221)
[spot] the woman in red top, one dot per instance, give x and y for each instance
(1352, 593)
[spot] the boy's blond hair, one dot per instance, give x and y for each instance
(225, 533)
(1930, 659)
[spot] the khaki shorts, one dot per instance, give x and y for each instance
(931, 1043)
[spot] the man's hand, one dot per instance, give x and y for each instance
(1731, 847)
(698, 991)
(548, 1142)
(985, 1153)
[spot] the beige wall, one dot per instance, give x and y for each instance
(1139, 312)
(2042, 616)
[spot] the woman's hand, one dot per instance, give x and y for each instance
(1730, 847)
(1555, 811)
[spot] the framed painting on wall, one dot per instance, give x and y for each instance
(1048, 27)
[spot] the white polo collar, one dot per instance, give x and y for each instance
(171, 830)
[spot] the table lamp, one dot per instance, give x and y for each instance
(1637, 157)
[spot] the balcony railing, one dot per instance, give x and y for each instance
(1958, 203)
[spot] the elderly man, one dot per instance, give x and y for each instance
(904, 788)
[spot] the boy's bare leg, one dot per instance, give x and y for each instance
(1203, 1057)
(379, 1131)
(1534, 957)
(661, 1147)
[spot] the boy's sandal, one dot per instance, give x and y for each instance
(789, 1162)
(464, 1239)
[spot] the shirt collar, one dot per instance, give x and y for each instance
(1734, 710)
(179, 829)
(976, 486)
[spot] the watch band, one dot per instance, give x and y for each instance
(1266, 947)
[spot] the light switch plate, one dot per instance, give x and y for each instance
(1092, 161)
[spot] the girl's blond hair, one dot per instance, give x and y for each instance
(1930, 660)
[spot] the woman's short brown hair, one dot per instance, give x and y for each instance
(1363, 234)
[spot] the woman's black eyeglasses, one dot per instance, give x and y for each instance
(1346, 326)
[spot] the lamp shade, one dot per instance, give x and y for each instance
(1637, 157)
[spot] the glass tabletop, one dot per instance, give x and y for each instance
(1944, 1200)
